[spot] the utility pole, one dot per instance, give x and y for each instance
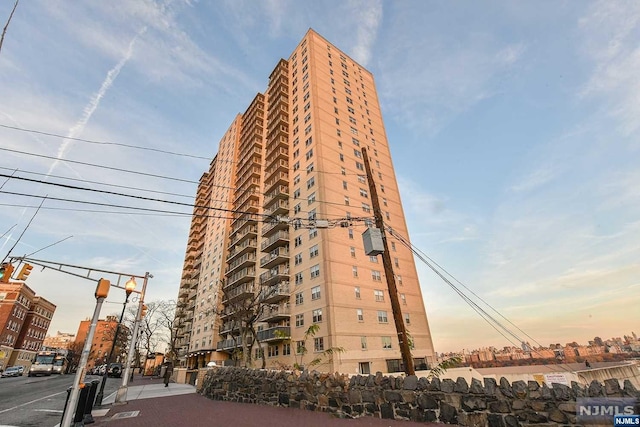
(388, 272)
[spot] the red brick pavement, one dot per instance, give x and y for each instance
(194, 410)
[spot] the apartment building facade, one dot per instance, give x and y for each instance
(24, 321)
(278, 223)
(102, 341)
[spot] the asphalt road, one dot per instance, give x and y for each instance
(38, 401)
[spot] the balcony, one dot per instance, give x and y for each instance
(239, 293)
(281, 207)
(278, 178)
(274, 275)
(281, 164)
(239, 249)
(281, 238)
(230, 327)
(275, 313)
(275, 257)
(278, 333)
(275, 293)
(243, 234)
(245, 275)
(244, 261)
(280, 192)
(231, 344)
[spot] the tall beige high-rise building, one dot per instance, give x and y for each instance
(276, 236)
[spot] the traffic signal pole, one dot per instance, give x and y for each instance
(403, 339)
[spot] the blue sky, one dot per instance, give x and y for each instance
(514, 129)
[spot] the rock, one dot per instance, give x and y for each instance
(533, 385)
(539, 406)
(447, 385)
(427, 402)
(392, 396)
(495, 420)
(435, 385)
(557, 416)
(461, 386)
(501, 406)
(568, 407)
(630, 389)
(545, 392)
(595, 389)
(612, 387)
(518, 405)
(578, 389)
(473, 403)
(386, 411)
(448, 414)
(355, 396)
(511, 421)
(408, 396)
(476, 386)
(519, 389)
(410, 382)
(490, 386)
(505, 387)
(561, 392)
(423, 383)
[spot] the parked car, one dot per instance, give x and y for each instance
(13, 371)
(115, 370)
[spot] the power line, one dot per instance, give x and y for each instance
(118, 144)
(493, 322)
(13, 205)
(97, 182)
(100, 166)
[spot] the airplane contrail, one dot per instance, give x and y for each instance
(93, 104)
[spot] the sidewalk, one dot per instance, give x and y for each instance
(151, 404)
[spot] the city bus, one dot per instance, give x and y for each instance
(47, 363)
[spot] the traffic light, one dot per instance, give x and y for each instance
(102, 290)
(25, 271)
(6, 270)
(144, 311)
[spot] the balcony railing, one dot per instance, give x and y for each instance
(274, 334)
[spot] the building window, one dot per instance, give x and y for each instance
(352, 250)
(299, 320)
(297, 259)
(403, 297)
(313, 251)
(311, 182)
(299, 298)
(407, 319)
(386, 343)
(272, 350)
(354, 270)
(351, 233)
(298, 241)
(396, 262)
(300, 348)
(363, 343)
(315, 293)
(318, 344)
(382, 316)
(345, 185)
(357, 291)
(298, 278)
(360, 315)
(378, 295)
(286, 349)
(311, 198)
(376, 276)
(315, 271)
(317, 315)
(373, 258)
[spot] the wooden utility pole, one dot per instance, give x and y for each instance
(388, 272)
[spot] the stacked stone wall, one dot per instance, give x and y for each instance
(489, 403)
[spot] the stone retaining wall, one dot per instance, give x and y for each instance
(490, 404)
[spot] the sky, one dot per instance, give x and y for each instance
(514, 129)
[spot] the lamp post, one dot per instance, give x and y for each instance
(129, 287)
(121, 395)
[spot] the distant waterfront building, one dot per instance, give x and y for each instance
(278, 222)
(61, 340)
(24, 321)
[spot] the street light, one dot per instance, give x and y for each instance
(128, 287)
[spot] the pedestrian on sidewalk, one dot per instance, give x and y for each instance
(167, 373)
